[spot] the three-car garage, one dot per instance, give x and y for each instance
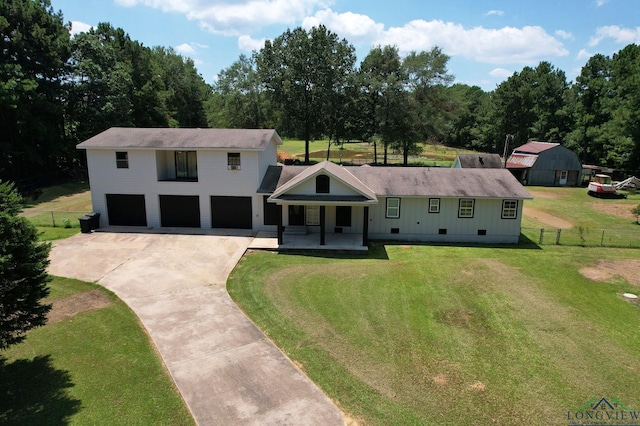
(180, 211)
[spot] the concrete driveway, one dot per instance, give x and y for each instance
(226, 369)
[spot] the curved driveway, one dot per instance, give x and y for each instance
(226, 369)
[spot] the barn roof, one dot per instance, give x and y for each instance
(533, 147)
(521, 161)
(159, 138)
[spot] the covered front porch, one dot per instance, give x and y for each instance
(333, 242)
(312, 219)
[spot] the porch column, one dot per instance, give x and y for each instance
(365, 227)
(322, 225)
(280, 224)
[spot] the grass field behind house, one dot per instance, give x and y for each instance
(97, 367)
(595, 221)
(56, 210)
(362, 152)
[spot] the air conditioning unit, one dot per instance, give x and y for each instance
(234, 167)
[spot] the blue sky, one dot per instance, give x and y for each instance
(487, 40)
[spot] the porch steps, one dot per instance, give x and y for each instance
(295, 230)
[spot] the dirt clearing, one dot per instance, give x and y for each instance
(615, 209)
(546, 218)
(67, 307)
(607, 270)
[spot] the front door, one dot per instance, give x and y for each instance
(563, 177)
(296, 216)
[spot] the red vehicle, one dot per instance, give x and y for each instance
(602, 187)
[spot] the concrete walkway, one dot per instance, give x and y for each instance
(226, 369)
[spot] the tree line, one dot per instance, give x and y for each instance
(57, 90)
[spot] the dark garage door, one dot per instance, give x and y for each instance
(126, 210)
(231, 212)
(180, 211)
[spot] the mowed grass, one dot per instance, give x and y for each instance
(594, 221)
(97, 367)
(450, 335)
(363, 152)
(56, 210)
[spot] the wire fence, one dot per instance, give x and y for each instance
(585, 237)
(55, 218)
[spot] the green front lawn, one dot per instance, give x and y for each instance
(450, 335)
(97, 367)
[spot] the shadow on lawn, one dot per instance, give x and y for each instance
(377, 248)
(34, 392)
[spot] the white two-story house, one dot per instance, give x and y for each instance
(230, 178)
(201, 178)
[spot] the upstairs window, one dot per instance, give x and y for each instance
(466, 207)
(322, 184)
(186, 165)
(122, 160)
(509, 209)
(434, 205)
(233, 161)
(393, 208)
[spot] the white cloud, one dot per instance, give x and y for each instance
(526, 45)
(618, 34)
(235, 17)
(79, 27)
(354, 27)
(566, 35)
(494, 12)
(185, 49)
(500, 72)
(250, 44)
(601, 2)
(584, 54)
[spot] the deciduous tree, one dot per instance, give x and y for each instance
(302, 71)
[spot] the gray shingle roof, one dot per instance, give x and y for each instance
(165, 138)
(331, 169)
(417, 181)
(441, 182)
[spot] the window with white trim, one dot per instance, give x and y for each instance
(465, 207)
(122, 160)
(434, 205)
(393, 208)
(313, 215)
(509, 209)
